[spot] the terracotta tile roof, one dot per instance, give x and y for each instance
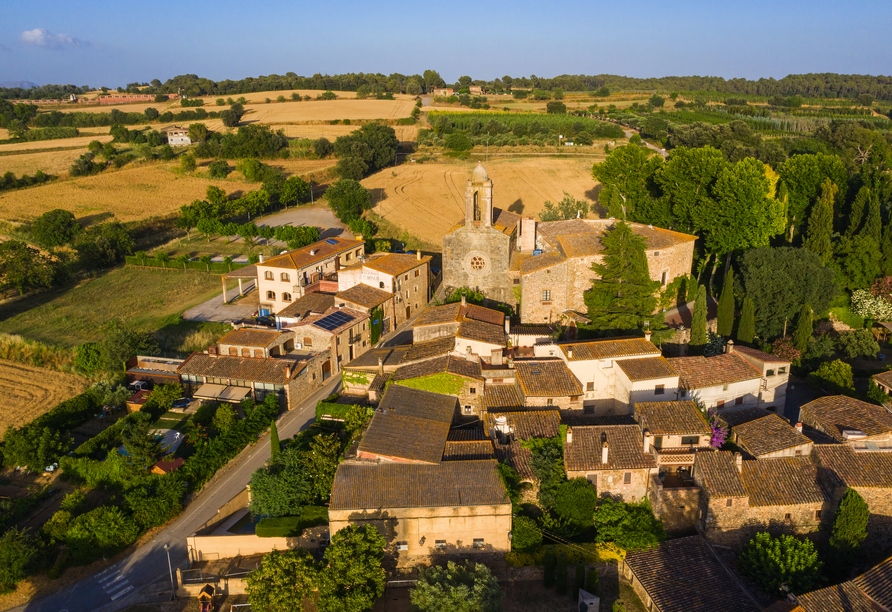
(646, 368)
(781, 606)
(540, 262)
(379, 381)
(609, 348)
(517, 259)
(396, 263)
(655, 237)
(682, 575)
(430, 348)
(551, 230)
(701, 372)
(575, 418)
(471, 450)
(302, 257)
(579, 245)
(733, 418)
(546, 379)
(311, 303)
(358, 317)
(784, 481)
(392, 356)
(672, 418)
(449, 363)
(166, 467)
(884, 377)
(717, 473)
(759, 355)
(410, 424)
(363, 295)
(501, 398)
(449, 313)
(483, 314)
(271, 371)
(504, 220)
(450, 484)
(625, 449)
(532, 329)
(523, 425)
(840, 465)
(844, 597)
(876, 583)
(466, 434)
(767, 435)
(470, 329)
(836, 413)
(250, 337)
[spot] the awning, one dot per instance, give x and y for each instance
(222, 393)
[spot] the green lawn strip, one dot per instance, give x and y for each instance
(292, 526)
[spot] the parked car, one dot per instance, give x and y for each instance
(264, 320)
(51, 468)
(138, 385)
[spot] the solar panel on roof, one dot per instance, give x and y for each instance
(331, 241)
(333, 321)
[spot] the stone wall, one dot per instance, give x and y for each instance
(489, 244)
(612, 482)
(421, 333)
(677, 508)
(533, 309)
(737, 524)
(300, 387)
(557, 402)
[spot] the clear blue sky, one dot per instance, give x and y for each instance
(88, 42)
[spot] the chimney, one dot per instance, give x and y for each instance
(729, 348)
(464, 302)
(527, 234)
(604, 452)
(570, 353)
(261, 258)
(647, 439)
(569, 435)
(507, 325)
(799, 427)
(418, 254)
(287, 372)
(380, 366)
(738, 460)
(496, 358)
(647, 335)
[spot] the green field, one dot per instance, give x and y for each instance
(149, 300)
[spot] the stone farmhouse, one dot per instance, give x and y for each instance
(884, 381)
(764, 435)
(177, 136)
(613, 458)
(345, 332)
(849, 421)
(544, 266)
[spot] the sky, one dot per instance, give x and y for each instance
(88, 42)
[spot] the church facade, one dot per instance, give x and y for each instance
(543, 267)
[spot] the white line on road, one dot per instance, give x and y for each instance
(122, 593)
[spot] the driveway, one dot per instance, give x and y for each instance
(318, 215)
(215, 310)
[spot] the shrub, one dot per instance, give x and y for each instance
(526, 536)
(785, 560)
(100, 533)
(458, 142)
(834, 377)
(292, 526)
(219, 169)
(323, 147)
(17, 551)
(860, 343)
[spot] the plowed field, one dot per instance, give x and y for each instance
(27, 392)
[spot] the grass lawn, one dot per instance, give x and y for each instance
(140, 298)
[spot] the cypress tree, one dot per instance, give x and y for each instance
(820, 223)
(560, 580)
(698, 319)
(726, 306)
(274, 446)
(624, 296)
(591, 581)
(873, 226)
(886, 259)
(857, 213)
(549, 567)
(580, 580)
(747, 329)
(849, 529)
(804, 329)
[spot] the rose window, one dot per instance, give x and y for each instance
(477, 263)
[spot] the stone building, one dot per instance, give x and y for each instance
(849, 421)
(447, 320)
(764, 435)
(676, 433)
(508, 429)
(449, 375)
(343, 331)
(723, 381)
(548, 384)
(613, 458)
(177, 136)
(546, 267)
(250, 342)
(775, 373)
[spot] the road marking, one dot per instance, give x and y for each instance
(115, 585)
(122, 593)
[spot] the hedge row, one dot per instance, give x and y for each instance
(216, 266)
(332, 410)
(292, 526)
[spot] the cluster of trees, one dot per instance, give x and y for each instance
(9, 180)
(508, 128)
(250, 141)
(367, 150)
(116, 117)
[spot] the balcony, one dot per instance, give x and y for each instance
(679, 455)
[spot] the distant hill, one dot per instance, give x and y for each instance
(22, 84)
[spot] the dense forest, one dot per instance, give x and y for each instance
(823, 85)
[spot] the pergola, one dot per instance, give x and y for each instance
(242, 274)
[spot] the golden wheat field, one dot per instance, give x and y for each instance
(327, 110)
(132, 107)
(428, 199)
(331, 132)
(79, 141)
(130, 194)
(49, 162)
(27, 392)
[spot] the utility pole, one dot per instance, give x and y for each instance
(173, 591)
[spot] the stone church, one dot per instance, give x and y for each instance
(543, 266)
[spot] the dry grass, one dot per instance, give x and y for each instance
(107, 108)
(50, 162)
(28, 391)
(130, 194)
(427, 200)
(79, 141)
(327, 110)
(261, 96)
(317, 130)
(302, 167)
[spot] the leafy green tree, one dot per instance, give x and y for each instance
(556, 107)
(295, 190)
(698, 319)
(747, 329)
(886, 248)
(34, 447)
(198, 132)
(121, 343)
(458, 141)
(283, 580)
(804, 329)
(849, 530)
(876, 394)
(525, 535)
(353, 577)
(348, 199)
(466, 587)
(726, 306)
(858, 343)
(785, 560)
(803, 176)
(183, 259)
(656, 101)
(575, 502)
(224, 418)
(280, 488)
(873, 225)
(320, 463)
(322, 147)
(548, 468)
(630, 526)
(865, 100)
(835, 377)
(187, 163)
(820, 224)
(100, 533)
(18, 550)
(274, 446)
(142, 446)
(88, 357)
(104, 245)
(219, 169)
(24, 268)
(624, 296)
(859, 259)
(55, 228)
(351, 167)
(156, 501)
(568, 208)
(625, 176)
(856, 215)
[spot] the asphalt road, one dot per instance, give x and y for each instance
(119, 586)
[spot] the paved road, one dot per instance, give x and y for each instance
(662, 152)
(118, 586)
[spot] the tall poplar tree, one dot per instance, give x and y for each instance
(849, 530)
(857, 214)
(624, 296)
(804, 329)
(726, 306)
(820, 223)
(747, 329)
(873, 226)
(698, 319)
(274, 446)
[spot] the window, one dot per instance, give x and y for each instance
(817, 515)
(738, 401)
(546, 295)
(308, 342)
(246, 352)
(347, 257)
(417, 272)
(664, 277)
(407, 277)
(658, 442)
(769, 373)
(656, 253)
(233, 351)
(799, 452)
(270, 295)
(788, 516)
(258, 353)
(268, 275)
(627, 478)
(516, 281)
(468, 410)
(402, 546)
(720, 404)
(690, 440)
(782, 370)
(381, 285)
(724, 387)
(659, 389)
(473, 390)
(549, 401)
(440, 544)
(478, 543)
(590, 386)
(285, 277)
(286, 297)
(682, 392)
(729, 502)
(593, 479)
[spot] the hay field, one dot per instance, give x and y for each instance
(428, 199)
(28, 392)
(317, 130)
(301, 167)
(130, 194)
(261, 96)
(133, 107)
(326, 110)
(78, 141)
(50, 162)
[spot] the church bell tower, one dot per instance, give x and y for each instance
(478, 199)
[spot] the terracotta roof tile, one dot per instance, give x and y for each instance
(717, 473)
(655, 237)
(250, 337)
(430, 348)
(844, 597)
(876, 583)
(625, 449)
(502, 398)
(840, 465)
(884, 377)
(575, 418)
(363, 295)
(470, 329)
(396, 263)
(471, 450)
(836, 413)
(783, 481)
(767, 435)
(438, 365)
(682, 575)
(540, 262)
(546, 379)
(311, 303)
(392, 356)
(450, 484)
(466, 434)
(646, 368)
(449, 313)
(701, 372)
(759, 355)
(310, 254)
(271, 371)
(504, 219)
(672, 418)
(380, 381)
(532, 329)
(608, 349)
(523, 426)
(733, 418)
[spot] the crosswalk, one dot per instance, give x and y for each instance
(113, 583)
